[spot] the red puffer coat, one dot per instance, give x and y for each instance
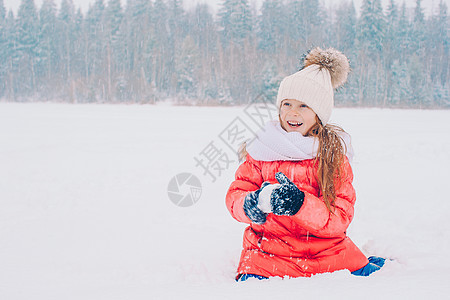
(310, 242)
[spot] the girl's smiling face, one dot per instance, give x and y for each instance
(296, 116)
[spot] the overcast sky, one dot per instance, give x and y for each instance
(84, 4)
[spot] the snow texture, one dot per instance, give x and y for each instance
(85, 212)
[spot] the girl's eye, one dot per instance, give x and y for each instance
(286, 104)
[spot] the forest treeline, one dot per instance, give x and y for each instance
(154, 50)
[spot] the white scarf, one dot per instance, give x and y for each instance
(273, 143)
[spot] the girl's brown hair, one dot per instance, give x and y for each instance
(329, 159)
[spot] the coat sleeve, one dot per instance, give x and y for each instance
(315, 217)
(248, 178)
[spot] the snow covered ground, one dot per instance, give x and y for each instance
(85, 213)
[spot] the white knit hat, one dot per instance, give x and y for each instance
(324, 71)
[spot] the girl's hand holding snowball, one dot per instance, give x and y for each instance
(251, 209)
(283, 199)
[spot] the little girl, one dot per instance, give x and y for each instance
(295, 186)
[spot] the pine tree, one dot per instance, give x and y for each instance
(47, 51)
(443, 38)
(270, 81)
(438, 55)
(295, 30)
(391, 38)
(371, 35)
(272, 44)
(345, 28)
(342, 36)
(160, 25)
(78, 46)
(312, 19)
(271, 27)
(399, 84)
(96, 58)
(65, 42)
(2, 13)
(403, 32)
(177, 25)
(115, 46)
(418, 97)
(399, 93)
(203, 29)
(113, 18)
(418, 30)
(238, 52)
(3, 49)
(142, 36)
(12, 55)
(372, 27)
(204, 33)
(27, 41)
(440, 39)
(418, 60)
(390, 49)
(189, 62)
(235, 21)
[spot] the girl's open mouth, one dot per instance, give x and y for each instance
(294, 124)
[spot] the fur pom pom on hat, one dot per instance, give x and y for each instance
(324, 71)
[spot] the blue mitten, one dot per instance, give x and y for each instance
(375, 263)
(286, 199)
(251, 206)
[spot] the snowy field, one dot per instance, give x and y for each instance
(85, 213)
